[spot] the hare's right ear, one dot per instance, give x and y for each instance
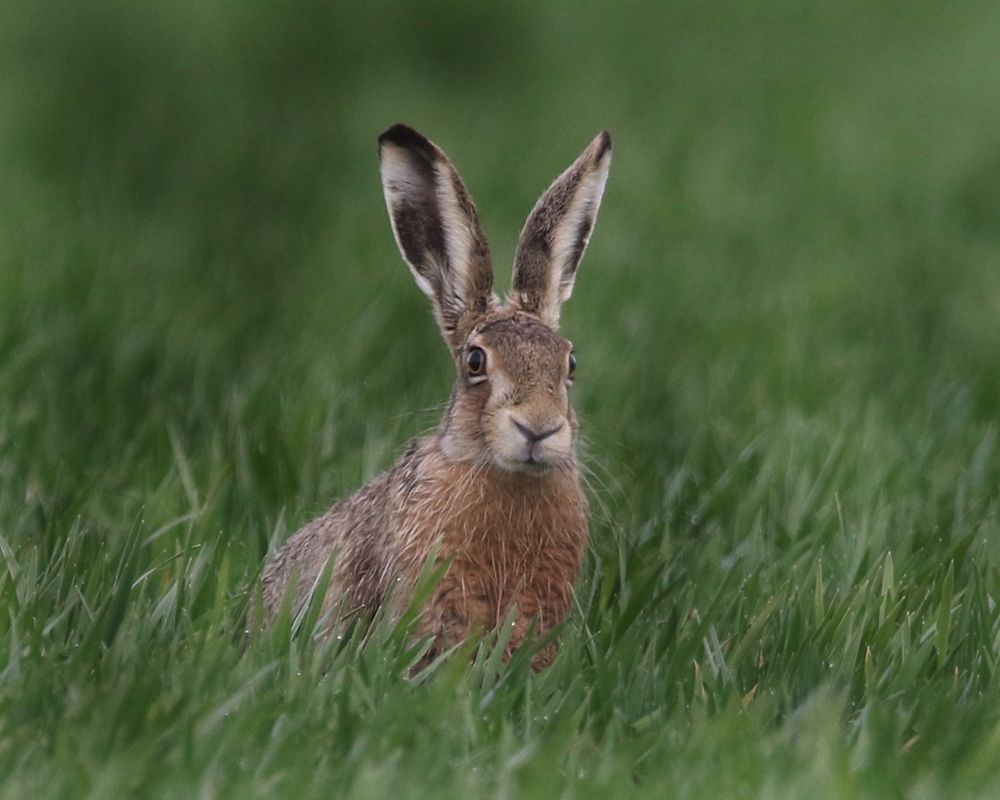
(437, 230)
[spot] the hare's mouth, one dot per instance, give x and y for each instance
(520, 444)
(527, 467)
(530, 464)
(533, 464)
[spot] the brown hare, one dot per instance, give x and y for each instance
(495, 492)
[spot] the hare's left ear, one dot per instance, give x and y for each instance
(437, 230)
(556, 234)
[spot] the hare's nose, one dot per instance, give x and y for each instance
(534, 437)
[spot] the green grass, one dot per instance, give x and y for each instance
(787, 325)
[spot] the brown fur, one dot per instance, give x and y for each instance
(495, 493)
(513, 537)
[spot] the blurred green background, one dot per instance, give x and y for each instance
(787, 324)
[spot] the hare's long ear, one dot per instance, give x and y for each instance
(556, 234)
(437, 230)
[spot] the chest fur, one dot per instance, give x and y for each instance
(509, 538)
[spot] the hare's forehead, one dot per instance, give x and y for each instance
(522, 346)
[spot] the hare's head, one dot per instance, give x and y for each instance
(511, 403)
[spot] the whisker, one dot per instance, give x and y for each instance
(589, 480)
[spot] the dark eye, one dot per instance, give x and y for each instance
(476, 361)
(572, 366)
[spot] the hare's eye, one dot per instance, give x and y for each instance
(572, 366)
(476, 361)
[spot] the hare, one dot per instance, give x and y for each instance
(494, 495)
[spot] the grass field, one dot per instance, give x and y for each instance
(787, 326)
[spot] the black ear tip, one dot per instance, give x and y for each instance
(398, 134)
(602, 143)
(406, 137)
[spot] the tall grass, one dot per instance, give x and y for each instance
(787, 326)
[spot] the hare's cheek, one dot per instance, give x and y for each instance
(501, 435)
(502, 390)
(557, 447)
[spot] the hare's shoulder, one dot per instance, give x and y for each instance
(356, 531)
